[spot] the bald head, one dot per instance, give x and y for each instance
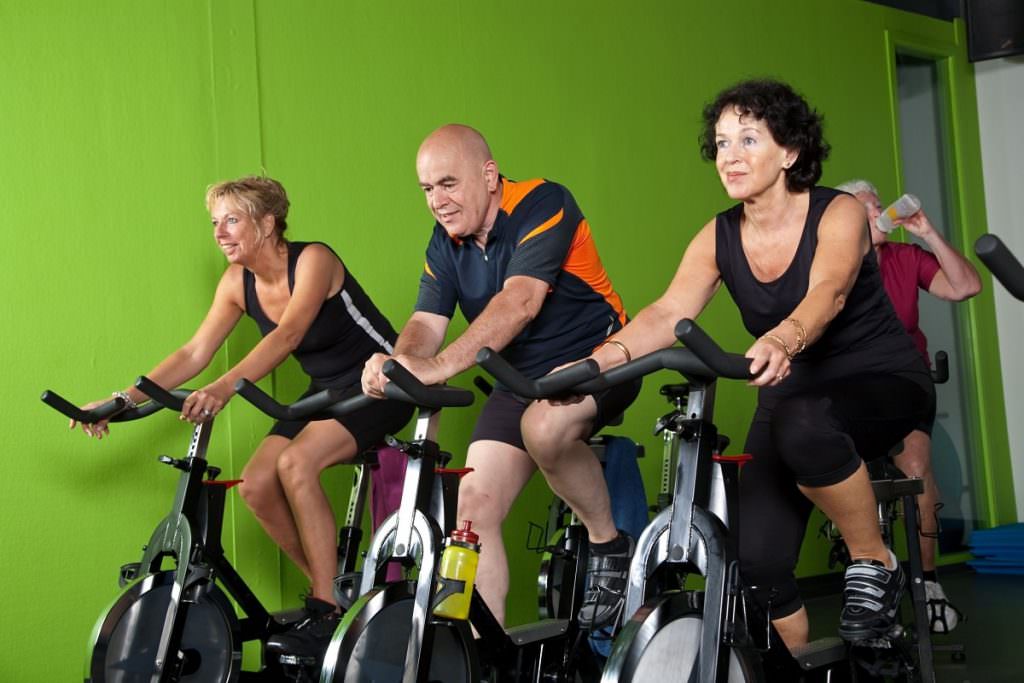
(458, 140)
(460, 180)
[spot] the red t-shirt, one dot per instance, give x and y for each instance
(905, 268)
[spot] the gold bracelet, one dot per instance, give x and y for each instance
(801, 334)
(622, 347)
(780, 342)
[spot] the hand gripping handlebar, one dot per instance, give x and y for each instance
(405, 387)
(112, 410)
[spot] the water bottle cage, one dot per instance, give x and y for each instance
(735, 626)
(757, 613)
(447, 588)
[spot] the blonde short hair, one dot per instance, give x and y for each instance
(257, 196)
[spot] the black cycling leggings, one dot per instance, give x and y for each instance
(817, 437)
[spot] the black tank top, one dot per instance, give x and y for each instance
(347, 329)
(866, 336)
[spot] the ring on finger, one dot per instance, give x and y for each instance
(207, 412)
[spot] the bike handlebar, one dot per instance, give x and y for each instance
(173, 399)
(1003, 264)
(702, 358)
(322, 405)
(940, 373)
(555, 384)
(112, 410)
(721, 363)
(405, 387)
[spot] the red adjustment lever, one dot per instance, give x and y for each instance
(461, 471)
(740, 459)
(226, 483)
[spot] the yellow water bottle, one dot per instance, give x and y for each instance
(458, 564)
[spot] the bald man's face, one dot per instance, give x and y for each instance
(459, 188)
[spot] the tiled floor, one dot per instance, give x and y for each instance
(992, 636)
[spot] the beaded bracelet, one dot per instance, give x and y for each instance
(129, 404)
(801, 334)
(622, 347)
(780, 342)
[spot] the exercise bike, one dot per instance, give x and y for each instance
(178, 623)
(391, 633)
(907, 652)
(671, 633)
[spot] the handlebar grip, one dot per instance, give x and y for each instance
(168, 399)
(940, 373)
(107, 411)
(436, 396)
(322, 405)
(62, 405)
(638, 367)
(560, 382)
(731, 365)
(349, 405)
(261, 399)
(1003, 264)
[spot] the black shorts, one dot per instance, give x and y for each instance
(368, 426)
(927, 423)
(501, 414)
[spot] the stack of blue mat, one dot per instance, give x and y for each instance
(999, 550)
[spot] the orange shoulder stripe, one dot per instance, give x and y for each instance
(513, 192)
(546, 225)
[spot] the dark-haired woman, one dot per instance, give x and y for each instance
(308, 304)
(838, 378)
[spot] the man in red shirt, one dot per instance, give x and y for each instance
(944, 273)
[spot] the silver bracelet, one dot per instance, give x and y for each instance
(129, 404)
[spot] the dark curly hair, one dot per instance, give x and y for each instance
(792, 122)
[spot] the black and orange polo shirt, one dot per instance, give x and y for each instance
(540, 232)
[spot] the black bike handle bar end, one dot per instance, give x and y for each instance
(435, 396)
(1003, 264)
(562, 382)
(62, 405)
(724, 364)
(261, 399)
(168, 399)
(940, 374)
(113, 410)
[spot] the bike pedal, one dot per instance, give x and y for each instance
(884, 643)
(296, 660)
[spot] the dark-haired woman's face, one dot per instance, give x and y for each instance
(748, 159)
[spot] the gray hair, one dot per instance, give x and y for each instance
(858, 185)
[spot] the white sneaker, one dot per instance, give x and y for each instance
(942, 615)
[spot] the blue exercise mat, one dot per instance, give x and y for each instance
(999, 550)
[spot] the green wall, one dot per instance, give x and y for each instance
(116, 115)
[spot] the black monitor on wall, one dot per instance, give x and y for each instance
(995, 28)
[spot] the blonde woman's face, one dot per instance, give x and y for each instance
(237, 235)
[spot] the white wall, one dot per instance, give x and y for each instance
(1000, 87)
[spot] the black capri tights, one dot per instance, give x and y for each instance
(817, 437)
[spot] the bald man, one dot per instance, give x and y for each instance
(519, 260)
